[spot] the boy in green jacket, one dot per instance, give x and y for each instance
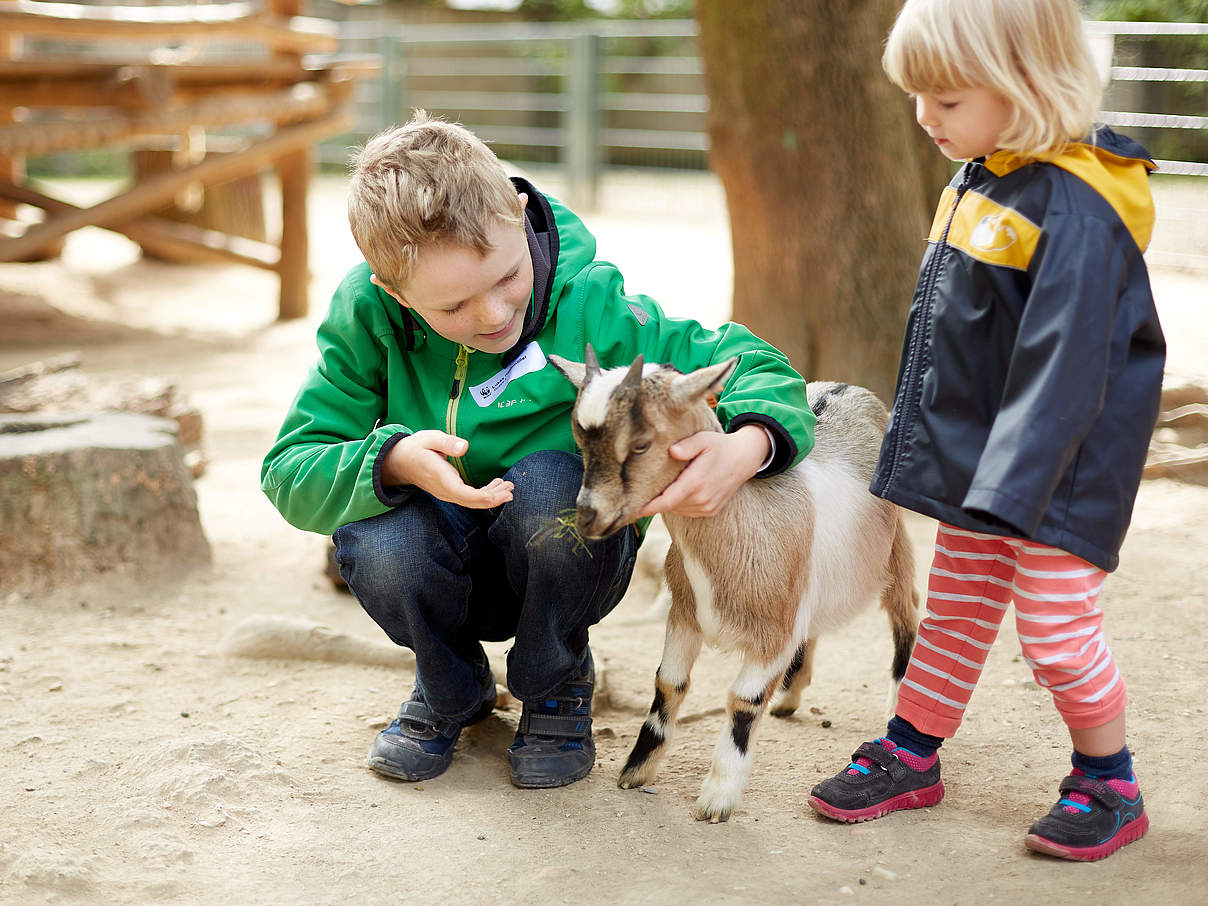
(433, 438)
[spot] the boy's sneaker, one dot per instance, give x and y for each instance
(418, 745)
(1092, 819)
(553, 745)
(878, 781)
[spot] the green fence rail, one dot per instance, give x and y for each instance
(602, 93)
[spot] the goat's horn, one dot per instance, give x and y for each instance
(592, 363)
(633, 377)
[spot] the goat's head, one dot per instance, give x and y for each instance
(624, 420)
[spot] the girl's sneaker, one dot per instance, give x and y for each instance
(1092, 819)
(881, 778)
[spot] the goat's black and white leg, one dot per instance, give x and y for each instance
(748, 699)
(680, 650)
(795, 680)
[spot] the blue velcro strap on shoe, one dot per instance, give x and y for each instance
(1096, 789)
(1072, 804)
(570, 726)
(883, 758)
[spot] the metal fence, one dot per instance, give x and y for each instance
(603, 93)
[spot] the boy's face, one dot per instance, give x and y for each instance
(965, 123)
(476, 301)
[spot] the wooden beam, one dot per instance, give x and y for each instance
(165, 237)
(159, 190)
(294, 173)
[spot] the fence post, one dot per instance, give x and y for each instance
(393, 81)
(583, 119)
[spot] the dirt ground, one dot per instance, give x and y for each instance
(143, 762)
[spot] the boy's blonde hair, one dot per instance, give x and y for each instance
(1032, 52)
(424, 182)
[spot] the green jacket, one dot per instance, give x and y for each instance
(383, 374)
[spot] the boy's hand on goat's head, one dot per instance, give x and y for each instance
(718, 464)
(420, 460)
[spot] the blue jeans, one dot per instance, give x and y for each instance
(440, 579)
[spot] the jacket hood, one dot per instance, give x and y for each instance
(1113, 165)
(560, 246)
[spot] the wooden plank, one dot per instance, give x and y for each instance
(77, 21)
(159, 190)
(218, 70)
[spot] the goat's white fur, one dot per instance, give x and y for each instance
(788, 558)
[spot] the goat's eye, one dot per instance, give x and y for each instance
(639, 449)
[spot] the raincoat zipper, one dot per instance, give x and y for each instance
(459, 380)
(910, 392)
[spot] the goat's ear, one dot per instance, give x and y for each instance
(575, 372)
(688, 388)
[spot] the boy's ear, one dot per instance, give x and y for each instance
(373, 278)
(523, 196)
(575, 372)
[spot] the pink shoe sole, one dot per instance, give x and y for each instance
(1129, 833)
(923, 798)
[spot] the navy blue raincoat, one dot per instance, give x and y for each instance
(1032, 366)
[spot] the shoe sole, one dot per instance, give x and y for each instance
(1129, 833)
(927, 796)
(383, 767)
(545, 781)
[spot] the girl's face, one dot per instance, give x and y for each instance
(964, 122)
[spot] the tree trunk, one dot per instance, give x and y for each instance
(829, 187)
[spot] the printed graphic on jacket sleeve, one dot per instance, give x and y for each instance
(988, 231)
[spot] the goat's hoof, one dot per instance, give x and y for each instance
(711, 813)
(783, 710)
(633, 778)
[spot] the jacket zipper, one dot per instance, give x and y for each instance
(459, 379)
(910, 393)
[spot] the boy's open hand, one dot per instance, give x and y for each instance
(419, 460)
(718, 464)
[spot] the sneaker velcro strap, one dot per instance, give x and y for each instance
(416, 712)
(1089, 786)
(566, 725)
(883, 758)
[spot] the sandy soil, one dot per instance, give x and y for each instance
(142, 762)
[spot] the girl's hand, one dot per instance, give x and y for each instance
(718, 464)
(419, 460)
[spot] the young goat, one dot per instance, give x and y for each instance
(789, 558)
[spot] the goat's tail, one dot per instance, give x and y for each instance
(900, 599)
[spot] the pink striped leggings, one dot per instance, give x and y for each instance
(974, 577)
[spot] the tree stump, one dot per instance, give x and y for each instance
(88, 494)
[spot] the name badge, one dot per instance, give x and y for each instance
(532, 359)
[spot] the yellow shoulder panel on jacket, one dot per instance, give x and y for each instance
(991, 233)
(1122, 181)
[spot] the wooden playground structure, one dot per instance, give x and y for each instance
(156, 81)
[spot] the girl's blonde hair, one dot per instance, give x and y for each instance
(1032, 52)
(425, 182)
